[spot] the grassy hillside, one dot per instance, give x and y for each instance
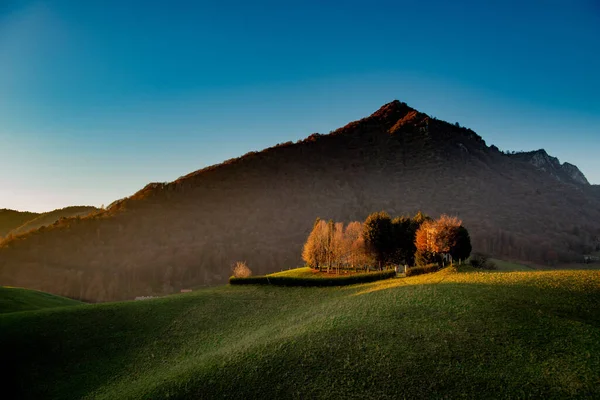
(304, 272)
(511, 266)
(51, 217)
(449, 334)
(18, 299)
(11, 219)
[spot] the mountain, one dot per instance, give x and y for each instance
(51, 217)
(261, 206)
(11, 219)
(563, 172)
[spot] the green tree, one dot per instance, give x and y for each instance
(378, 237)
(462, 244)
(403, 231)
(404, 236)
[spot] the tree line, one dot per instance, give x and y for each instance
(381, 241)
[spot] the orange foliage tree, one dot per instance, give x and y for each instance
(315, 249)
(333, 245)
(441, 236)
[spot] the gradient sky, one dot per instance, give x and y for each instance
(98, 98)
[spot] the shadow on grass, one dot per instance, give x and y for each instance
(480, 341)
(441, 335)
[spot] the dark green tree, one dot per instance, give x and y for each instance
(423, 258)
(462, 244)
(378, 237)
(403, 231)
(411, 249)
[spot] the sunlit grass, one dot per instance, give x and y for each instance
(297, 272)
(510, 266)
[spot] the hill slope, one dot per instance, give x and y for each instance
(18, 299)
(445, 335)
(261, 206)
(49, 218)
(11, 219)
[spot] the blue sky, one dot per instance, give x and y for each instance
(98, 98)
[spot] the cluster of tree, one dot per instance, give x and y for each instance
(332, 245)
(381, 241)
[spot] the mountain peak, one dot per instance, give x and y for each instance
(392, 112)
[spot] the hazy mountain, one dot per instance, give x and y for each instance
(51, 217)
(260, 207)
(11, 219)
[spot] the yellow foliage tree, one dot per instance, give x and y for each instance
(315, 249)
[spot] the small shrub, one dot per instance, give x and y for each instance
(424, 258)
(481, 261)
(425, 269)
(241, 270)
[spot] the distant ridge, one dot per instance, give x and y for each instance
(544, 162)
(51, 217)
(260, 207)
(11, 219)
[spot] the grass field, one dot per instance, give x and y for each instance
(511, 266)
(449, 334)
(18, 299)
(304, 272)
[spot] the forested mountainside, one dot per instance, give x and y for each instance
(261, 206)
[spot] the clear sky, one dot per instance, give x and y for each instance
(98, 98)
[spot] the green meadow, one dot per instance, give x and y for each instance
(19, 299)
(454, 333)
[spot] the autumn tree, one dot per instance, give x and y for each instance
(424, 239)
(446, 234)
(329, 244)
(355, 245)
(442, 236)
(420, 217)
(338, 245)
(314, 252)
